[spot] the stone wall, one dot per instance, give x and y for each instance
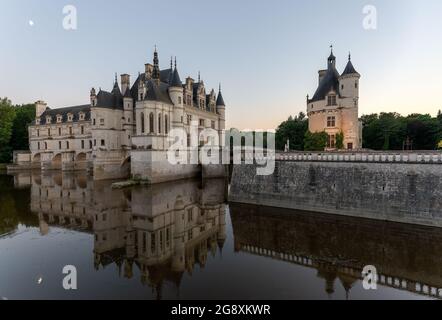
(402, 192)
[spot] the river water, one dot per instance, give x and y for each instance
(182, 240)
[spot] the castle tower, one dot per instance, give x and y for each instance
(221, 110)
(156, 67)
(176, 95)
(334, 106)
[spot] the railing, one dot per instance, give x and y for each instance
(422, 157)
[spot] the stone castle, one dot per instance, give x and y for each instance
(125, 132)
(334, 106)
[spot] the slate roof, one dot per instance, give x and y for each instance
(328, 83)
(75, 111)
(175, 79)
(349, 69)
(220, 100)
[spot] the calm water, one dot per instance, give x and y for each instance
(182, 241)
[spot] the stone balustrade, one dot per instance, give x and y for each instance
(421, 157)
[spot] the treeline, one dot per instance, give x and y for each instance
(385, 131)
(14, 121)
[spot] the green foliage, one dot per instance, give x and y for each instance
(315, 141)
(390, 131)
(25, 114)
(7, 115)
(294, 130)
(340, 141)
(14, 121)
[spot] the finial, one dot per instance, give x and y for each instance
(199, 76)
(155, 50)
(116, 80)
(349, 56)
(171, 65)
(175, 62)
(331, 48)
(220, 87)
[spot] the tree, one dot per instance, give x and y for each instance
(25, 114)
(7, 116)
(315, 141)
(294, 130)
(340, 141)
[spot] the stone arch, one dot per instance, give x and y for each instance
(56, 161)
(81, 161)
(36, 158)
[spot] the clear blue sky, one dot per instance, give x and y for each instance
(265, 53)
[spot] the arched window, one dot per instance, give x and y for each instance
(159, 123)
(166, 125)
(142, 122)
(151, 123)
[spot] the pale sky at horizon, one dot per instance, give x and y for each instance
(266, 54)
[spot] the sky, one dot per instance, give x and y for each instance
(266, 54)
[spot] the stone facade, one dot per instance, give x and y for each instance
(126, 131)
(334, 106)
(402, 192)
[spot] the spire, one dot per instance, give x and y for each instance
(156, 66)
(199, 76)
(349, 69)
(171, 65)
(331, 58)
(175, 80)
(220, 100)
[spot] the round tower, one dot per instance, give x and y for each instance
(349, 81)
(176, 95)
(221, 110)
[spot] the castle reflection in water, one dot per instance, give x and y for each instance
(164, 229)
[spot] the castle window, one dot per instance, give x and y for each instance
(356, 85)
(331, 141)
(342, 87)
(93, 122)
(166, 125)
(70, 130)
(82, 130)
(90, 144)
(48, 119)
(189, 99)
(49, 132)
(46, 146)
(95, 142)
(67, 144)
(37, 121)
(102, 143)
(151, 123)
(59, 119)
(179, 100)
(142, 122)
(331, 100)
(59, 131)
(213, 124)
(331, 122)
(59, 145)
(101, 122)
(38, 145)
(70, 117)
(38, 133)
(81, 116)
(159, 123)
(202, 123)
(82, 144)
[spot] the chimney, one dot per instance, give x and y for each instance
(321, 74)
(148, 70)
(40, 107)
(125, 83)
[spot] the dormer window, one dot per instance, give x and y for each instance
(331, 100)
(81, 116)
(37, 121)
(70, 117)
(48, 119)
(59, 118)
